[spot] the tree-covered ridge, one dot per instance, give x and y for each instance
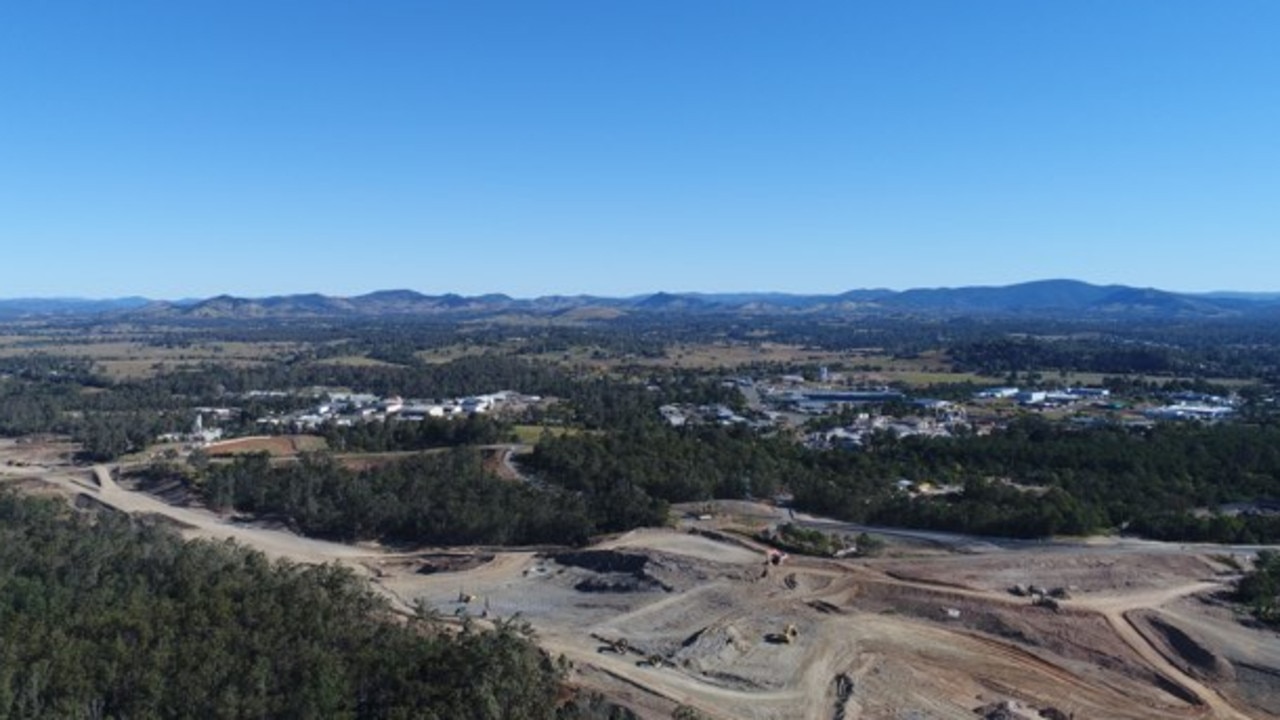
(103, 618)
(423, 434)
(1069, 480)
(1033, 479)
(445, 498)
(628, 478)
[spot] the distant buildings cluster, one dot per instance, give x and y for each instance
(821, 400)
(865, 425)
(681, 415)
(1194, 406)
(1048, 398)
(792, 400)
(345, 409)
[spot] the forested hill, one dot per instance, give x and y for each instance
(1042, 298)
(1034, 479)
(1050, 298)
(103, 618)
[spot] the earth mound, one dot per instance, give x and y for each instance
(1181, 645)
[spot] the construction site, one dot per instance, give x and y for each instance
(701, 616)
(664, 618)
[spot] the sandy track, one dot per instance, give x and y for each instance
(204, 524)
(1125, 628)
(1116, 610)
(687, 545)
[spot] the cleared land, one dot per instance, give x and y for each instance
(705, 621)
(274, 445)
(123, 359)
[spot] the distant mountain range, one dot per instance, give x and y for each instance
(1051, 298)
(23, 307)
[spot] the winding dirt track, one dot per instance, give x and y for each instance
(204, 524)
(1116, 609)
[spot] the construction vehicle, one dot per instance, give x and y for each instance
(786, 637)
(1045, 601)
(619, 646)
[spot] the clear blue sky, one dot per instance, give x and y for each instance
(190, 148)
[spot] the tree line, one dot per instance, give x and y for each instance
(1260, 588)
(444, 498)
(1032, 479)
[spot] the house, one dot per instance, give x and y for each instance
(843, 437)
(473, 405)
(672, 415)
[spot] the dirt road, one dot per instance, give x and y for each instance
(1116, 608)
(205, 524)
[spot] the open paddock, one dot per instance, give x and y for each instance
(274, 445)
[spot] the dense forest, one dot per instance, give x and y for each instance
(101, 617)
(431, 498)
(423, 434)
(1031, 480)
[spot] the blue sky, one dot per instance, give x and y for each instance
(179, 149)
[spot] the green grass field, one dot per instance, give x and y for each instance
(531, 434)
